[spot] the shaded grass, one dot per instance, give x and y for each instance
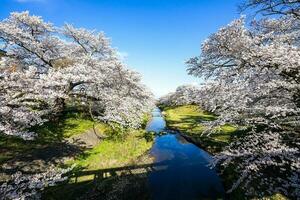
(189, 119)
(67, 125)
(125, 187)
(11, 146)
(49, 133)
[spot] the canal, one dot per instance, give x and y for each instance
(187, 174)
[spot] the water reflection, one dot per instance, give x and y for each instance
(157, 123)
(187, 175)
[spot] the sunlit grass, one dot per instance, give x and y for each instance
(75, 126)
(276, 197)
(114, 153)
(190, 119)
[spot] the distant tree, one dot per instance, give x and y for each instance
(185, 94)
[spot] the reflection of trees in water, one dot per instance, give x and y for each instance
(156, 114)
(150, 135)
(181, 139)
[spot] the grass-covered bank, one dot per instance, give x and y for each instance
(63, 142)
(98, 172)
(114, 152)
(188, 120)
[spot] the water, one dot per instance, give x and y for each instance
(185, 174)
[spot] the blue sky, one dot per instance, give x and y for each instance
(156, 36)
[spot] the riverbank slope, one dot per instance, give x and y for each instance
(76, 139)
(189, 119)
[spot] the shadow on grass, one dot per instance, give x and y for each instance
(129, 182)
(190, 122)
(56, 129)
(49, 148)
(212, 144)
(191, 128)
(38, 159)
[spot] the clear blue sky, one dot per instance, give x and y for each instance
(156, 35)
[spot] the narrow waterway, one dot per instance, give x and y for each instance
(186, 174)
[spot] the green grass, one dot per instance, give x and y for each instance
(69, 124)
(110, 153)
(51, 132)
(189, 120)
(11, 146)
(114, 153)
(146, 118)
(129, 149)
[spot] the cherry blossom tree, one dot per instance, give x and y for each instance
(254, 82)
(185, 94)
(29, 186)
(46, 67)
(273, 7)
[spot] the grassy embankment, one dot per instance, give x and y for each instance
(128, 149)
(188, 119)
